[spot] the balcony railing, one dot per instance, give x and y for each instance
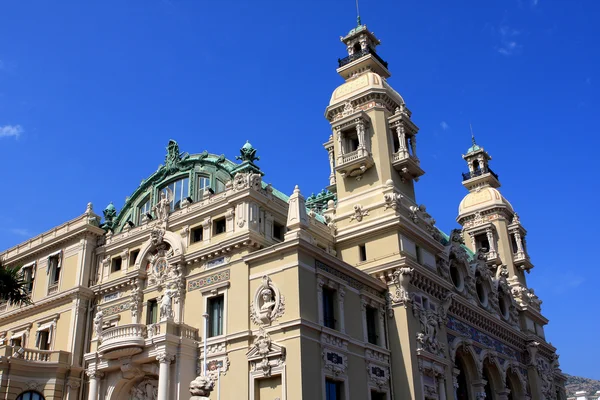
(35, 355)
(122, 340)
(348, 157)
(359, 54)
(470, 175)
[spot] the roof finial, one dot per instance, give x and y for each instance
(357, 14)
(472, 135)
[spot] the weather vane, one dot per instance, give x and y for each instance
(357, 14)
(471, 126)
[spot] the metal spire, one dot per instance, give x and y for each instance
(472, 135)
(357, 14)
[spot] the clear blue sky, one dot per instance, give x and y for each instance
(91, 92)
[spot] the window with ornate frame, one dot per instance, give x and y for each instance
(330, 298)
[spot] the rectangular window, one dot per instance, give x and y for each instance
(16, 341)
(219, 226)
(152, 312)
(215, 315)
(333, 389)
(116, 264)
(375, 395)
(133, 257)
(54, 265)
(362, 252)
(372, 322)
(28, 278)
(43, 340)
(395, 141)
(513, 243)
(278, 231)
(197, 234)
(328, 307)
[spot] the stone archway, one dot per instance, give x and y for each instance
(495, 381)
(465, 372)
(145, 388)
(515, 383)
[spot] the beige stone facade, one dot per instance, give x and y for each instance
(351, 294)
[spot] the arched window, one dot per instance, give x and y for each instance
(476, 166)
(30, 395)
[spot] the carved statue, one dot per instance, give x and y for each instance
(166, 308)
(98, 320)
(268, 304)
(201, 387)
(427, 338)
(162, 207)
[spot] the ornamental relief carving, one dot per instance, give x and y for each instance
(359, 213)
(268, 304)
(335, 362)
(401, 279)
(264, 355)
(147, 389)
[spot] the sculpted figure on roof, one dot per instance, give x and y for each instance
(247, 153)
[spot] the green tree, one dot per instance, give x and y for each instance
(13, 289)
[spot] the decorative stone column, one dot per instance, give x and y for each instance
(338, 136)
(331, 166)
(164, 360)
(490, 237)
(401, 139)
(519, 241)
(441, 386)
(360, 133)
(94, 376)
(503, 394)
(455, 373)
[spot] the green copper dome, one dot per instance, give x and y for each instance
(473, 148)
(110, 207)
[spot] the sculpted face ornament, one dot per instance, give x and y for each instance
(268, 303)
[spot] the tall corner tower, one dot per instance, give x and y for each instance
(373, 146)
(490, 224)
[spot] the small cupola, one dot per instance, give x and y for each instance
(480, 173)
(362, 57)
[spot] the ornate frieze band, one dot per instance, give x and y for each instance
(208, 280)
(481, 338)
(115, 309)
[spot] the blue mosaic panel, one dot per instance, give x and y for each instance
(481, 338)
(208, 280)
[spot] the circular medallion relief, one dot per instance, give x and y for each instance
(160, 265)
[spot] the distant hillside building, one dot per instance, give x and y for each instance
(583, 395)
(350, 294)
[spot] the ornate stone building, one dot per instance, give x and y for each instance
(350, 294)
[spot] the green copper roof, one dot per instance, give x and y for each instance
(111, 206)
(473, 148)
(357, 29)
(446, 239)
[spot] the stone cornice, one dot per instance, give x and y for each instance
(50, 239)
(48, 302)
